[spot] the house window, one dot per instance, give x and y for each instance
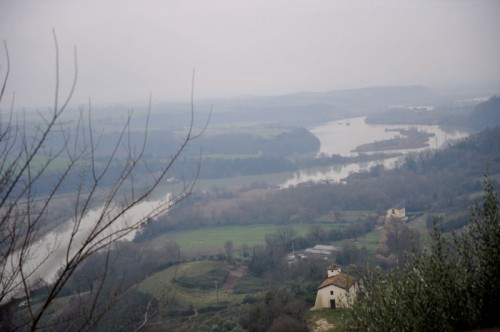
(331, 292)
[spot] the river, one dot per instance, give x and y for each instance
(48, 254)
(343, 136)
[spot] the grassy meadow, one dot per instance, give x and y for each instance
(214, 238)
(192, 283)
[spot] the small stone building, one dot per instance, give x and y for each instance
(336, 291)
(396, 213)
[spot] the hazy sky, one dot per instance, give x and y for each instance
(128, 48)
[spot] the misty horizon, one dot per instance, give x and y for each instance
(127, 50)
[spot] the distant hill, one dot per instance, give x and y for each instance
(307, 108)
(476, 118)
(486, 114)
(296, 109)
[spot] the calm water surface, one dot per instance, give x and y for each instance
(48, 254)
(343, 136)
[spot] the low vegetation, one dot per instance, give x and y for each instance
(424, 292)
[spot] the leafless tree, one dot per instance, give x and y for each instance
(25, 158)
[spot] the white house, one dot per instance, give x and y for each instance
(396, 213)
(321, 249)
(336, 291)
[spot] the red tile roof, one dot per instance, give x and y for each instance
(341, 280)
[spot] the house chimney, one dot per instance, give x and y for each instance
(333, 270)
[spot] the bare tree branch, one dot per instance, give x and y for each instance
(110, 196)
(6, 78)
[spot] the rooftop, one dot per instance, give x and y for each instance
(341, 280)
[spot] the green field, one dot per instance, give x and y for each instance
(262, 129)
(162, 286)
(215, 237)
(370, 241)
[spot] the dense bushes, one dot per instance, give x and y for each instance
(280, 310)
(455, 285)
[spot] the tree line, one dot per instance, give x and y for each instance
(453, 285)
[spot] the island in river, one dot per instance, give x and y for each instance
(411, 138)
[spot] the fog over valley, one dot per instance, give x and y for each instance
(283, 165)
